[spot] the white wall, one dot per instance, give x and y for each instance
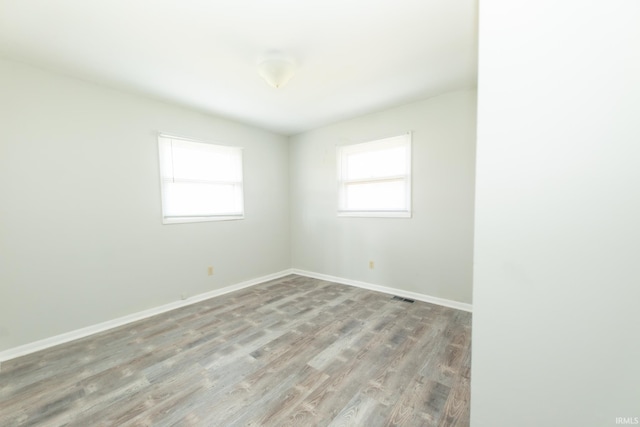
(81, 237)
(430, 253)
(557, 231)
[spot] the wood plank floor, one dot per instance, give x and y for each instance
(291, 352)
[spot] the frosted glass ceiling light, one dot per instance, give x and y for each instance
(276, 71)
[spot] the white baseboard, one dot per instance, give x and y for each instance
(393, 291)
(32, 347)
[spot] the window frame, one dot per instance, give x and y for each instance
(164, 177)
(344, 150)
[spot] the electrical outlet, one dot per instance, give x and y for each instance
(371, 265)
(210, 271)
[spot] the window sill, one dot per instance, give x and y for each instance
(375, 214)
(183, 220)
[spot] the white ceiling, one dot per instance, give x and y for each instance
(353, 56)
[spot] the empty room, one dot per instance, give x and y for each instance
(279, 213)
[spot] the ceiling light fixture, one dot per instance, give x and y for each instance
(276, 70)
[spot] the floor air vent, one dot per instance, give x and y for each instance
(403, 299)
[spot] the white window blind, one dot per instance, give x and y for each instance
(200, 181)
(374, 178)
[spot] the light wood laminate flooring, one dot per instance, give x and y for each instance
(290, 352)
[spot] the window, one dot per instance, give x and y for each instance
(200, 181)
(374, 178)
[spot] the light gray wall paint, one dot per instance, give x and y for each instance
(430, 253)
(557, 243)
(81, 237)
